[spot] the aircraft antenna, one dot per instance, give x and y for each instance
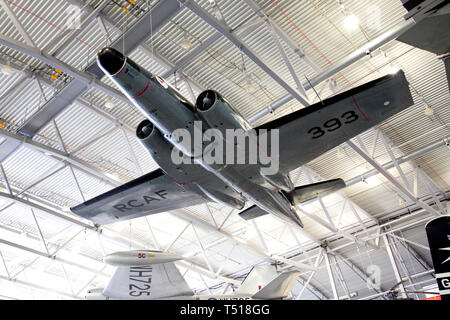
(317, 94)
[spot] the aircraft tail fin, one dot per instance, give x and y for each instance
(257, 279)
(279, 287)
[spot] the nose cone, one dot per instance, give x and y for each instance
(110, 60)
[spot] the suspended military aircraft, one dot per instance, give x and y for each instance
(152, 275)
(301, 137)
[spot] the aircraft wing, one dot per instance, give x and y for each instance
(158, 281)
(279, 287)
(152, 193)
(311, 131)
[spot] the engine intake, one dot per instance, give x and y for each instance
(144, 129)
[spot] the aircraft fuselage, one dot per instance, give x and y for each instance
(168, 111)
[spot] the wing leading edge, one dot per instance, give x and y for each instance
(152, 193)
(311, 131)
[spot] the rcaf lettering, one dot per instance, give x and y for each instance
(136, 203)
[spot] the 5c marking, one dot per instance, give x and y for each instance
(333, 124)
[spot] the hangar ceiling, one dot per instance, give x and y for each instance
(67, 135)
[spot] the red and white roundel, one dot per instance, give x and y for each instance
(162, 82)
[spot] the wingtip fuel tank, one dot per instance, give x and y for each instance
(139, 258)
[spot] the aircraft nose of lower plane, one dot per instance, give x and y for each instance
(110, 60)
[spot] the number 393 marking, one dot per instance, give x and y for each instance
(333, 124)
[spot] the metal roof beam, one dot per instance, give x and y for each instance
(417, 153)
(391, 179)
(283, 35)
(49, 256)
(78, 75)
(148, 24)
(225, 31)
(192, 55)
(394, 266)
(360, 273)
(141, 30)
(123, 240)
(241, 243)
(38, 287)
(55, 153)
(338, 67)
(17, 23)
(331, 276)
(317, 263)
(241, 31)
(286, 60)
(75, 32)
(15, 199)
(413, 252)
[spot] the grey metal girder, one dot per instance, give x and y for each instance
(134, 36)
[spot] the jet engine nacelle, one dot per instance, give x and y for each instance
(161, 151)
(139, 258)
(281, 181)
(95, 294)
(159, 148)
(219, 113)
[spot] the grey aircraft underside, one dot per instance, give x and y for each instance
(303, 136)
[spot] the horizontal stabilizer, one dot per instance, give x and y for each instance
(279, 287)
(252, 213)
(315, 190)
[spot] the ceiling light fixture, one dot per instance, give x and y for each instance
(351, 22)
(109, 103)
(340, 154)
(428, 110)
(250, 85)
(7, 70)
